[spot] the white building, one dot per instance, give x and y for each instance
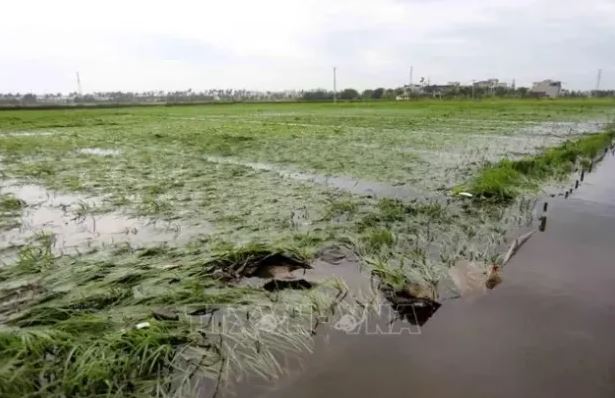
(547, 88)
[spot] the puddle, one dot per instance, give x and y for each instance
(355, 186)
(68, 217)
(99, 151)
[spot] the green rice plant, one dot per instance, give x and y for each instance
(377, 239)
(389, 274)
(83, 209)
(134, 362)
(338, 208)
(10, 209)
(38, 256)
(10, 204)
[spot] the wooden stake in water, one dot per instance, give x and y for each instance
(543, 223)
(576, 185)
(582, 175)
(545, 206)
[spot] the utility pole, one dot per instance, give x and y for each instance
(411, 70)
(598, 78)
(334, 85)
(79, 83)
(473, 85)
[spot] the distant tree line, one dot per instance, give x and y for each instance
(150, 97)
(450, 91)
(440, 91)
(352, 94)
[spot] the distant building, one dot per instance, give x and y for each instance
(442, 89)
(547, 88)
(490, 84)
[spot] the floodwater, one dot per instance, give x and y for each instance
(100, 151)
(375, 189)
(74, 226)
(545, 331)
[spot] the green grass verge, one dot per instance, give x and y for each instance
(503, 181)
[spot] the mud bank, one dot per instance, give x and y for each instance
(545, 331)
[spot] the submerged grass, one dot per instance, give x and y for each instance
(82, 359)
(87, 325)
(10, 210)
(68, 324)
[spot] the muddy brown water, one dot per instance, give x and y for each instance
(546, 331)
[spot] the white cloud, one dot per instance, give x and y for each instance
(271, 44)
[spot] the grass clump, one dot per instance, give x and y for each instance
(378, 238)
(132, 362)
(10, 209)
(503, 181)
(38, 256)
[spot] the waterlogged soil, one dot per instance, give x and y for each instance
(373, 189)
(181, 202)
(74, 223)
(545, 331)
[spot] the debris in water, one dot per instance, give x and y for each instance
(516, 244)
(466, 194)
(494, 278)
(143, 325)
(543, 223)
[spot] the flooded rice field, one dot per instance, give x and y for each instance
(304, 249)
(75, 225)
(546, 331)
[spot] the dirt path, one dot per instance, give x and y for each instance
(546, 331)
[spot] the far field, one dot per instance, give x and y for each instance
(108, 214)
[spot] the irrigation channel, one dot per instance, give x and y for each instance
(546, 331)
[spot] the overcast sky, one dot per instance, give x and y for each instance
(292, 44)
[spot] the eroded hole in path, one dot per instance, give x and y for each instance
(74, 224)
(277, 271)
